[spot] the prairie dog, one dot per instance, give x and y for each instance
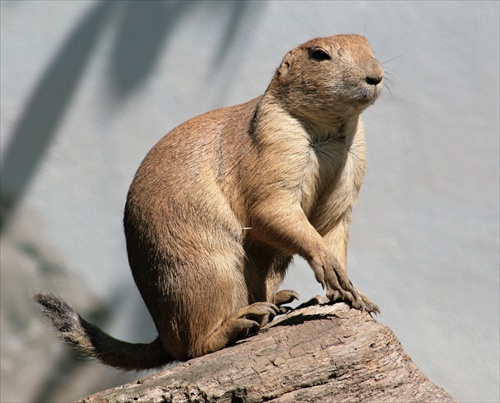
(220, 205)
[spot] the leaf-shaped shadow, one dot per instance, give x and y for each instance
(47, 107)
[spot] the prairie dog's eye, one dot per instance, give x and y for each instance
(319, 55)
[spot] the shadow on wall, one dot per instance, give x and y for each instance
(142, 31)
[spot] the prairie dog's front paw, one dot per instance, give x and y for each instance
(367, 305)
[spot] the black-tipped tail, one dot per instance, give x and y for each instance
(93, 342)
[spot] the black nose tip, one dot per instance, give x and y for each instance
(374, 80)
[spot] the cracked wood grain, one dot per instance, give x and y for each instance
(321, 353)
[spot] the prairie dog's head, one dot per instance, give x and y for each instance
(325, 78)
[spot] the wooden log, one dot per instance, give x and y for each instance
(320, 353)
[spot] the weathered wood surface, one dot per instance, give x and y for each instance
(322, 353)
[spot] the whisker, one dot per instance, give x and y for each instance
(392, 59)
(381, 52)
(386, 86)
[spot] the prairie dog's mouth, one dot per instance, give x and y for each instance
(368, 93)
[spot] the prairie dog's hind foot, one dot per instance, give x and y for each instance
(245, 321)
(260, 313)
(285, 297)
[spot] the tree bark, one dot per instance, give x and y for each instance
(320, 353)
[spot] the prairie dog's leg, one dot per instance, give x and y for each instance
(289, 230)
(337, 240)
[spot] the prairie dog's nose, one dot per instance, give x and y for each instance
(374, 73)
(374, 80)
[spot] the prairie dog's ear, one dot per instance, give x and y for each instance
(286, 63)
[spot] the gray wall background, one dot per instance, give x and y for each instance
(88, 87)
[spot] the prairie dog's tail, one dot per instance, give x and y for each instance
(93, 342)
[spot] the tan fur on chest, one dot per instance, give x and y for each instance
(332, 179)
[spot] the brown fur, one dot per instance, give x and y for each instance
(220, 205)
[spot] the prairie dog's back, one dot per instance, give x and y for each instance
(199, 154)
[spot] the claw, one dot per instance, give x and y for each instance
(285, 297)
(260, 312)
